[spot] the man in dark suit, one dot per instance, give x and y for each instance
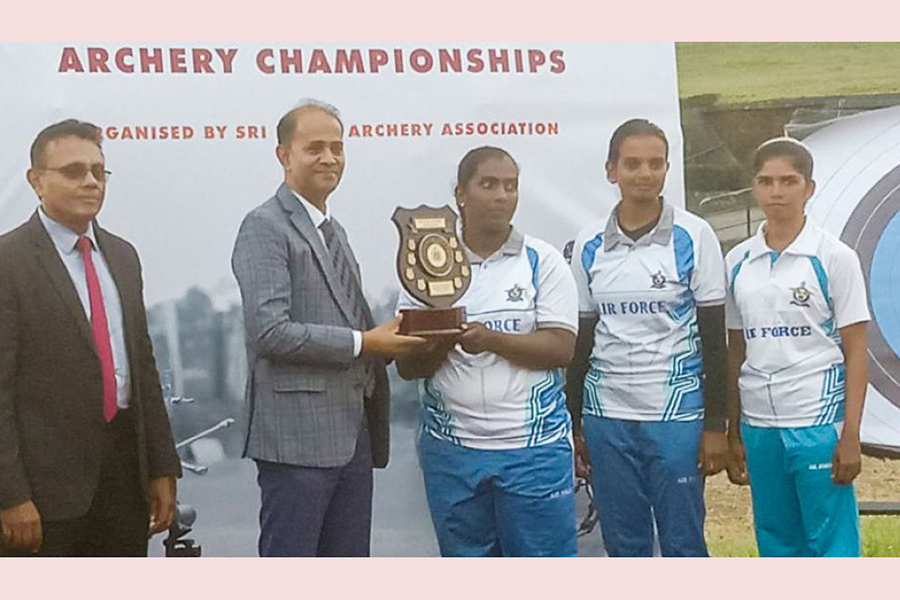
(317, 386)
(87, 460)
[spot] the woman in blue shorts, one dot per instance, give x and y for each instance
(646, 388)
(495, 446)
(796, 316)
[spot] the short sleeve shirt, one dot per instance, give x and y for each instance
(646, 363)
(791, 307)
(482, 400)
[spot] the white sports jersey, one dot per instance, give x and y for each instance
(482, 400)
(790, 308)
(646, 364)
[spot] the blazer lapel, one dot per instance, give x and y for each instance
(59, 276)
(303, 224)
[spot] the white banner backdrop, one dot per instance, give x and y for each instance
(190, 135)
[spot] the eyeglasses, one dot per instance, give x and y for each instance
(77, 171)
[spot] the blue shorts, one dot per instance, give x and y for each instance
(643, 471)
(797, 508)
(500, 502)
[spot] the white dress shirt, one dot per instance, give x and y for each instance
(318, 217)
(64, 239)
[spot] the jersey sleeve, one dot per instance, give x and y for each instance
(733, 318)
(848, 289)
(580, 275)
(556, 301)
(732, 314)
(708, 277)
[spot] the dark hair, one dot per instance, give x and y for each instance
(287, 125)
(473, 158)
(630, 128)
(784, 147)
(69, 127)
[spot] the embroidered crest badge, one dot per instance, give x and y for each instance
(801, 295)
(515, 294)
(658, 281)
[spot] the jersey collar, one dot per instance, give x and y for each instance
(661, 234)
(805, 244)
(511, 247)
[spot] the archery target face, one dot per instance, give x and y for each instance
(857, 172)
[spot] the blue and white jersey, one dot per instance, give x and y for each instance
(790, 307)
(646, 364)
(482, 400)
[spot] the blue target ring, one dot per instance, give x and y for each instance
(873, 230)
(884, 283)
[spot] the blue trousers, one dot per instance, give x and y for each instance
(309, 511)
(641, 470)
(500, 502)
(797, 509)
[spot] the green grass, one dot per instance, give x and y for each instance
(880, 537)
(732, 548)
(744, 72)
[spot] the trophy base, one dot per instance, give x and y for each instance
(432, 321)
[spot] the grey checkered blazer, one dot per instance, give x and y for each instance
(304, 388)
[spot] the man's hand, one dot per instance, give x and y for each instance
(385, 341)
(582, 457)
(846, 462)
(476, 338)
(22, 527)
(737, 461)
(712, 456)
(162, 504)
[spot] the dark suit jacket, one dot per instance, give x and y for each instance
(305, 389)
(51, 389)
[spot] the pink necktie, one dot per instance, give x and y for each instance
(100, 329)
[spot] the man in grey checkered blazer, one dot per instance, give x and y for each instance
(317, 387)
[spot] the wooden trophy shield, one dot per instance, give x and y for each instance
(433, 268)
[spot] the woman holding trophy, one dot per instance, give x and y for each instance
(495, 446)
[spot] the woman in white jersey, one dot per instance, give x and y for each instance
(796, 316)
(646, 388)
(495, 446)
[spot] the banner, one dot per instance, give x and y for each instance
(190, 135)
